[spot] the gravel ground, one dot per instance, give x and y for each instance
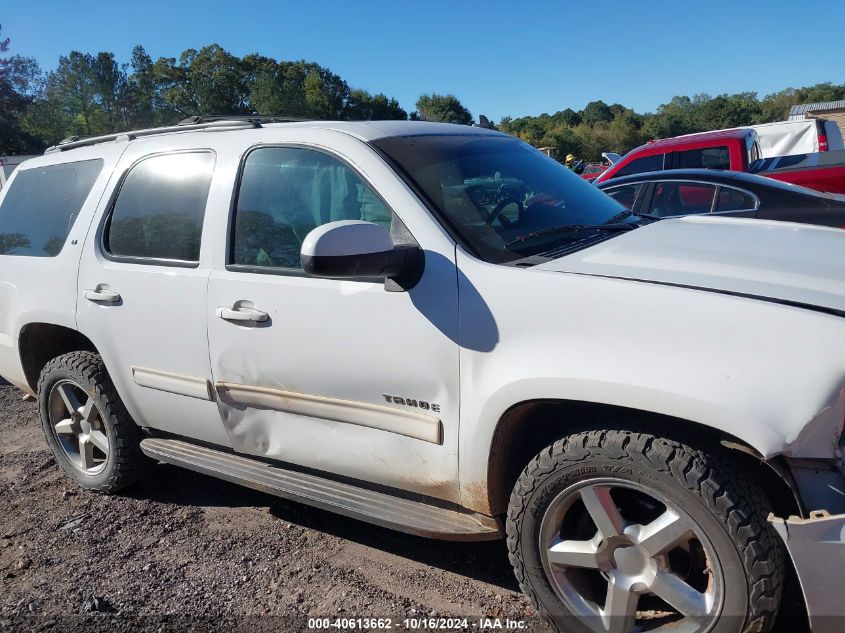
(184, 551)
(181, 551)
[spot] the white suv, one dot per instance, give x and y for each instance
(441, 330)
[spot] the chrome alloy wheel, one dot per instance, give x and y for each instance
(77, 424)
(623, 557)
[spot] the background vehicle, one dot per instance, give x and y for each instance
(8, 165)
(335, 312)
(592, 171)
(784, 138)
(737, 150)
(680, 192)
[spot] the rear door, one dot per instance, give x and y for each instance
(142, 288)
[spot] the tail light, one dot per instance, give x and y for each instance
(822, 142)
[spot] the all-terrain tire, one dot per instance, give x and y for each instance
(125, 462)
(706, 483)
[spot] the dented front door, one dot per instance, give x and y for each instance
(344, 377)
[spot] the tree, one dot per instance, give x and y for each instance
(596, 111)
(20, 82)
(74, 86)
(362, 106)
(444, 108)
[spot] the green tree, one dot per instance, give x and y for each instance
(20, 83)
(597, 111)
(444, 108)
(362, 106)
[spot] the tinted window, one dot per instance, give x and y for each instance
(41, 206)
(734, 200)
(626, 195)
(159, 210)
(681, 198)
(287, 192)
(707, 158)
(642, 165)
(501, 197)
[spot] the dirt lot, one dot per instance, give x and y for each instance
(181, 550)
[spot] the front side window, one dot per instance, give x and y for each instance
(706, 158)
(672, 198)
(626, 195)
(41, 206)
(501, 197)
(159, 210)
(642, 165)
(285, 193)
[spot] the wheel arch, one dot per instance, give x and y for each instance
(528, 427)
(38, 343)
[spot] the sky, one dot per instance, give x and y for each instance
(516, 58)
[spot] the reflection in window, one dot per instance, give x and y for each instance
(160, 207)
(41, 206)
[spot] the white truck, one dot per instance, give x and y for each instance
(438, 329)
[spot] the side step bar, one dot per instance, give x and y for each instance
(386, 510)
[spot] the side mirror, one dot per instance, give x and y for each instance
(352, 249)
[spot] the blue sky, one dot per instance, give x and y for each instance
(500, 58)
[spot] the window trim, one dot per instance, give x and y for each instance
(105, 222)
(718, 186)
(280, 270)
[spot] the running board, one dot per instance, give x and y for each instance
(386, 510)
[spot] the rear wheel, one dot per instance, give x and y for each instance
(619, 531)
(92, 436)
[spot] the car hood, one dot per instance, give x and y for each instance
(788, 263)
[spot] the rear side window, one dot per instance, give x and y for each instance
(41, 206)
(681, 198)
(641, 165)
(735, 200)
(159, 210)
(707, 158)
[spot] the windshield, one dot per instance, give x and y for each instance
(504, 199)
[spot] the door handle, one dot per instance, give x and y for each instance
(102, 296)
(242, 314)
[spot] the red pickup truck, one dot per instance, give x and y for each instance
(738, 150)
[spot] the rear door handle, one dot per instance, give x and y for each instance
(102, 296)
(242, 314)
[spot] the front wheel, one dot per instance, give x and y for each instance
(617, 531)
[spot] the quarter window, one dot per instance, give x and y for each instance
(735, 200)
(681, 198)
(626, 195)
(285, 193)
(41, 206)
(160, 207)
(641, 165)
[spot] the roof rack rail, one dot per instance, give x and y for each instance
(222, 123)
(252, 118)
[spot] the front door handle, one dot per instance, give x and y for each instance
(242, 314)
(102, 295)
